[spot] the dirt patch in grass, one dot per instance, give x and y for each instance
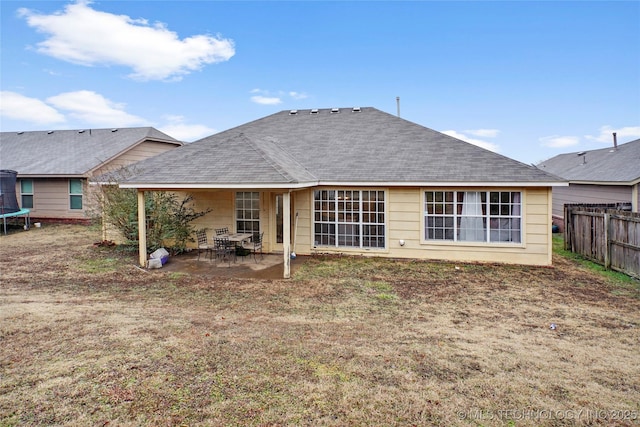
(86, 338)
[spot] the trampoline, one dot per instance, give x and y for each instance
(21, 212)
(9, 202)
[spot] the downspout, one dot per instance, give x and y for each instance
(549, 228)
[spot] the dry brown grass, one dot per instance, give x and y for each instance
(88, 339)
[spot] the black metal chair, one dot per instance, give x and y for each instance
(224, 249)
(203, 244)
(255, 245)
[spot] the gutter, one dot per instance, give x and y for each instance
(300, 185)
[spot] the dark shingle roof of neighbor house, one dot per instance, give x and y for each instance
(70, 152)
(621, 165)
(323, 147)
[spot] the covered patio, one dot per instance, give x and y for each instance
(270, 267)
(275, 220)
(217, 173)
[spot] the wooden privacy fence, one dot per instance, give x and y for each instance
(610, 237)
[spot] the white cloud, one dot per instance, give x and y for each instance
(267, 97)
(624, 134)
(483, 144)
(82, 35)
(94, 109)
(185, 132)
(484, 133)
(266, 100)
(298, 95)
(19, 107)
(556, 141)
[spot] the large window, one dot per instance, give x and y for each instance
(75, 194)
(473, 216)
(247, 212)
(349, 218)
(26, 193)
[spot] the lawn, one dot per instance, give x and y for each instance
(86, 338)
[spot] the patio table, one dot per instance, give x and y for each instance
(237, 238)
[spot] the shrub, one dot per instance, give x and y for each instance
(168, 217)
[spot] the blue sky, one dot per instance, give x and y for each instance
(526, 79)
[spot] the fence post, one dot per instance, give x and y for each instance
(607, 242)
(567, 232)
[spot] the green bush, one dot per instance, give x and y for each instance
(168, 217)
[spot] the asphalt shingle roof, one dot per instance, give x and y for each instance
(69, 152)
(603, 165)
(369, 146)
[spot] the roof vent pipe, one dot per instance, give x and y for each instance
(398, 104)
(615, 141)
(584, 156)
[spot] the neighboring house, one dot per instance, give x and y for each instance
(607, 175)
(363, 182)
(54, 166)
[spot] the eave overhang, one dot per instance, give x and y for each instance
(299, 185)
(620, 183)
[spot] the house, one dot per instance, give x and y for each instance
(363, 182)
(54, 166)
(607, 175)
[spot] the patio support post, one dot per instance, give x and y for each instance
(286, 233)
(142, 230)
(549, 227)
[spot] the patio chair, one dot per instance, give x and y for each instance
(225, 249)
(255, 245)
(203, 244)
(222, 231)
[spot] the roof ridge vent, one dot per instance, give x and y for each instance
(20, 132)
(49, 132)
(335, 110)
(356, 109)
(81, 131)
(314, 111)
(293, 112)
(114, 130)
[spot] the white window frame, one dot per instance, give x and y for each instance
(81, 194)
(23, 193)
(340, 219)
(498, 231)
(249, 212)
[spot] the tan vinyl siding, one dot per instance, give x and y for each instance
(140, 152)
(223, 214)
(51, 199)
(405, 222)
(588, 193)
(222, 205)
(222, 210)
(302, 203)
